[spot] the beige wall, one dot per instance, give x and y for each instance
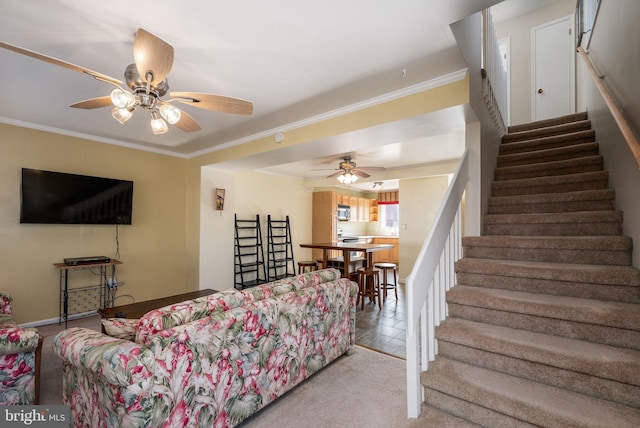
(419, 203)
(247, 193)
(519, 32)
(152, 249)
(618, 61)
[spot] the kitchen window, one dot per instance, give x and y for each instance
(389, 218)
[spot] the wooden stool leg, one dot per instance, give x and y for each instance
(395, 282)
(384, 284)
(376, 283)
(361, 289)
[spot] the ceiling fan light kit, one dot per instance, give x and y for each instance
(170, 113)
(347, 178)
(158, 125)
(121, 114)
(122, 99)
(147, 80)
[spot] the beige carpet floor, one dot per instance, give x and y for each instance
(366, 389)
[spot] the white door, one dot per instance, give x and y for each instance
(504, 46)
(553, 69)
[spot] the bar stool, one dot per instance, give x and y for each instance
(307, 266)
(369, 286)
(386, 267)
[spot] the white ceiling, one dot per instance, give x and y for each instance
(293, 59)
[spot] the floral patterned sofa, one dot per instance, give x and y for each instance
(211, 361)
(20, 350)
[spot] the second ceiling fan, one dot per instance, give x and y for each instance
(147, 83)
(349, 172)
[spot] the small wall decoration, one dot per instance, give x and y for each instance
(219, 199)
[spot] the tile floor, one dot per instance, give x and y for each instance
(384, 329)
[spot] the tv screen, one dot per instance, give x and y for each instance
(59, 198)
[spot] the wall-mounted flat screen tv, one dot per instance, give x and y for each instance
(58, 198)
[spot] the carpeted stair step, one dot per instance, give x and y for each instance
(600, 250)
(467, 410)
(555, 184)
(605, 282)
(562, 167)
(574, 117)
(545, 143)
(583, 200)
(555, 224)
(606, 322)
(433, 417)
(602, 371)
(496, 399)
(548, 155)
(580, 125)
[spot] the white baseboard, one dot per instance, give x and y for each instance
(56, 320)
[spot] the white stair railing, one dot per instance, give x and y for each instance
(432, 275)
(494, 82)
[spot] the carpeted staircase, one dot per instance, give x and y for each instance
(544, 322)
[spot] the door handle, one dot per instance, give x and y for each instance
(540, 91)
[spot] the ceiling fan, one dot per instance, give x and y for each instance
(147, 83)
(349, 173)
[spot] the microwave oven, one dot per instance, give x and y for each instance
(344, 212)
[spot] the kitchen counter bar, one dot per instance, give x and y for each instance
(347, 248)
(362, 237)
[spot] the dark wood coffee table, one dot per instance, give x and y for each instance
(137, 310)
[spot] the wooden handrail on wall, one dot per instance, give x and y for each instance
(627, 133)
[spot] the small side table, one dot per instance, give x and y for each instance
(105, 292)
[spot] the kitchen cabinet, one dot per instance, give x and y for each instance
(392, 255)
(373, 210)
(363, 209)
(359, 206)
(324, 219)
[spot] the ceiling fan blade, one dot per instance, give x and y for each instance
(214, 102)
(187, 123)
(360, 173)
(371, 168)
(59, 62)
(152, 54)
(336, 174)
(93, 103)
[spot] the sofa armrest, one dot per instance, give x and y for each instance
(15, 340)
(117, 361)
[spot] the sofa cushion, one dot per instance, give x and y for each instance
(122, 328)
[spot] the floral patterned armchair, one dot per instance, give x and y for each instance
(19, 358)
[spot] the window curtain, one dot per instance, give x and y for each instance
(388, 198)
